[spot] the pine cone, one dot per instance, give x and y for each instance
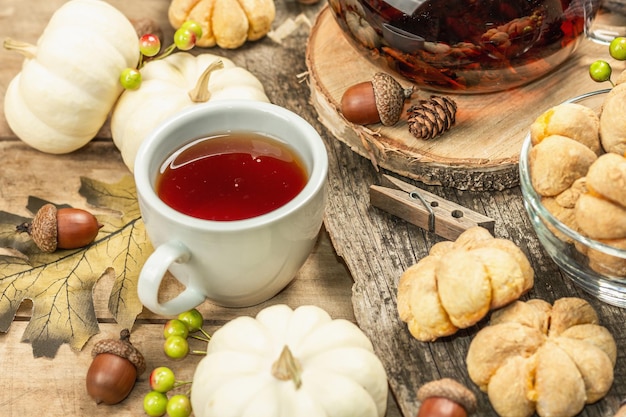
(432, 117)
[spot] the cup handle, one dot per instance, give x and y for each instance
(152, 274)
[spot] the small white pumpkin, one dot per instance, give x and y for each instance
(70, 80)
(171, 84)
(289, 363)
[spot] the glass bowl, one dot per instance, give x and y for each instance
(567, 247)
(464, 46)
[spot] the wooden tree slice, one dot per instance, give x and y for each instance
(480, 152)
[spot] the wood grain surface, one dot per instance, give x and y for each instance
(56, 387)
(359, 284)
(378, 247)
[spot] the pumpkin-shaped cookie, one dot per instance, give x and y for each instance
(459, 282)
(548, 359)
(225, 23)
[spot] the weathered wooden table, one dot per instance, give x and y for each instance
(373, 246)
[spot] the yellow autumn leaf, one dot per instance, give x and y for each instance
(61, 284)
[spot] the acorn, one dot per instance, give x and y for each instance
(115, 367)
(64, 228)
(379, 100)
(446, 398)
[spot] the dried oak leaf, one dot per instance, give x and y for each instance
(60, 284)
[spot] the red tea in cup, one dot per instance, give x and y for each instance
(231, 176)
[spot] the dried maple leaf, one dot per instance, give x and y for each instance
(61, 284)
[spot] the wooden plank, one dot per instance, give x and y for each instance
(378, 247)
(374, 246)
(57, 387)
(323, 280)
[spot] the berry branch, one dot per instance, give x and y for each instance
(600, 70)
(185, 39)
(162, 379)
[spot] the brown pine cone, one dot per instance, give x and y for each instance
(430, 118)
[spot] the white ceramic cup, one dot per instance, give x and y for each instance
(231, 263)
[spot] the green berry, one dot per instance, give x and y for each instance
(176, 347)
(179, 406)
(162, 379)
(617, 48)
(184, 39)
(130, 79)
(193, 319)
(600, 71)
(193, 26)
(175, 327)
(155, 404)
(149, 44)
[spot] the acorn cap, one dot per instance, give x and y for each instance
(450, 389)
(390, 97)
(122, 348)
(43, 228)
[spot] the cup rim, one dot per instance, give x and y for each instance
(532, 198)
(144, 182)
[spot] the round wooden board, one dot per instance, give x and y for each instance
(481, 150)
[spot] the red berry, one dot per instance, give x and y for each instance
(149, 44)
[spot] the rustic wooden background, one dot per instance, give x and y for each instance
(372, 246)
(377, 247)
(56, 387)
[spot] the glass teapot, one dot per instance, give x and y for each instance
(465, 46)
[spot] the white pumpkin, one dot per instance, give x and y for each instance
(289, 363)
(70, 80)
(171, 84)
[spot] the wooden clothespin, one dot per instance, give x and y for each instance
(426, 210)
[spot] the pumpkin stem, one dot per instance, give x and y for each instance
(29, 51)
(201, 93)
(287, 368)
